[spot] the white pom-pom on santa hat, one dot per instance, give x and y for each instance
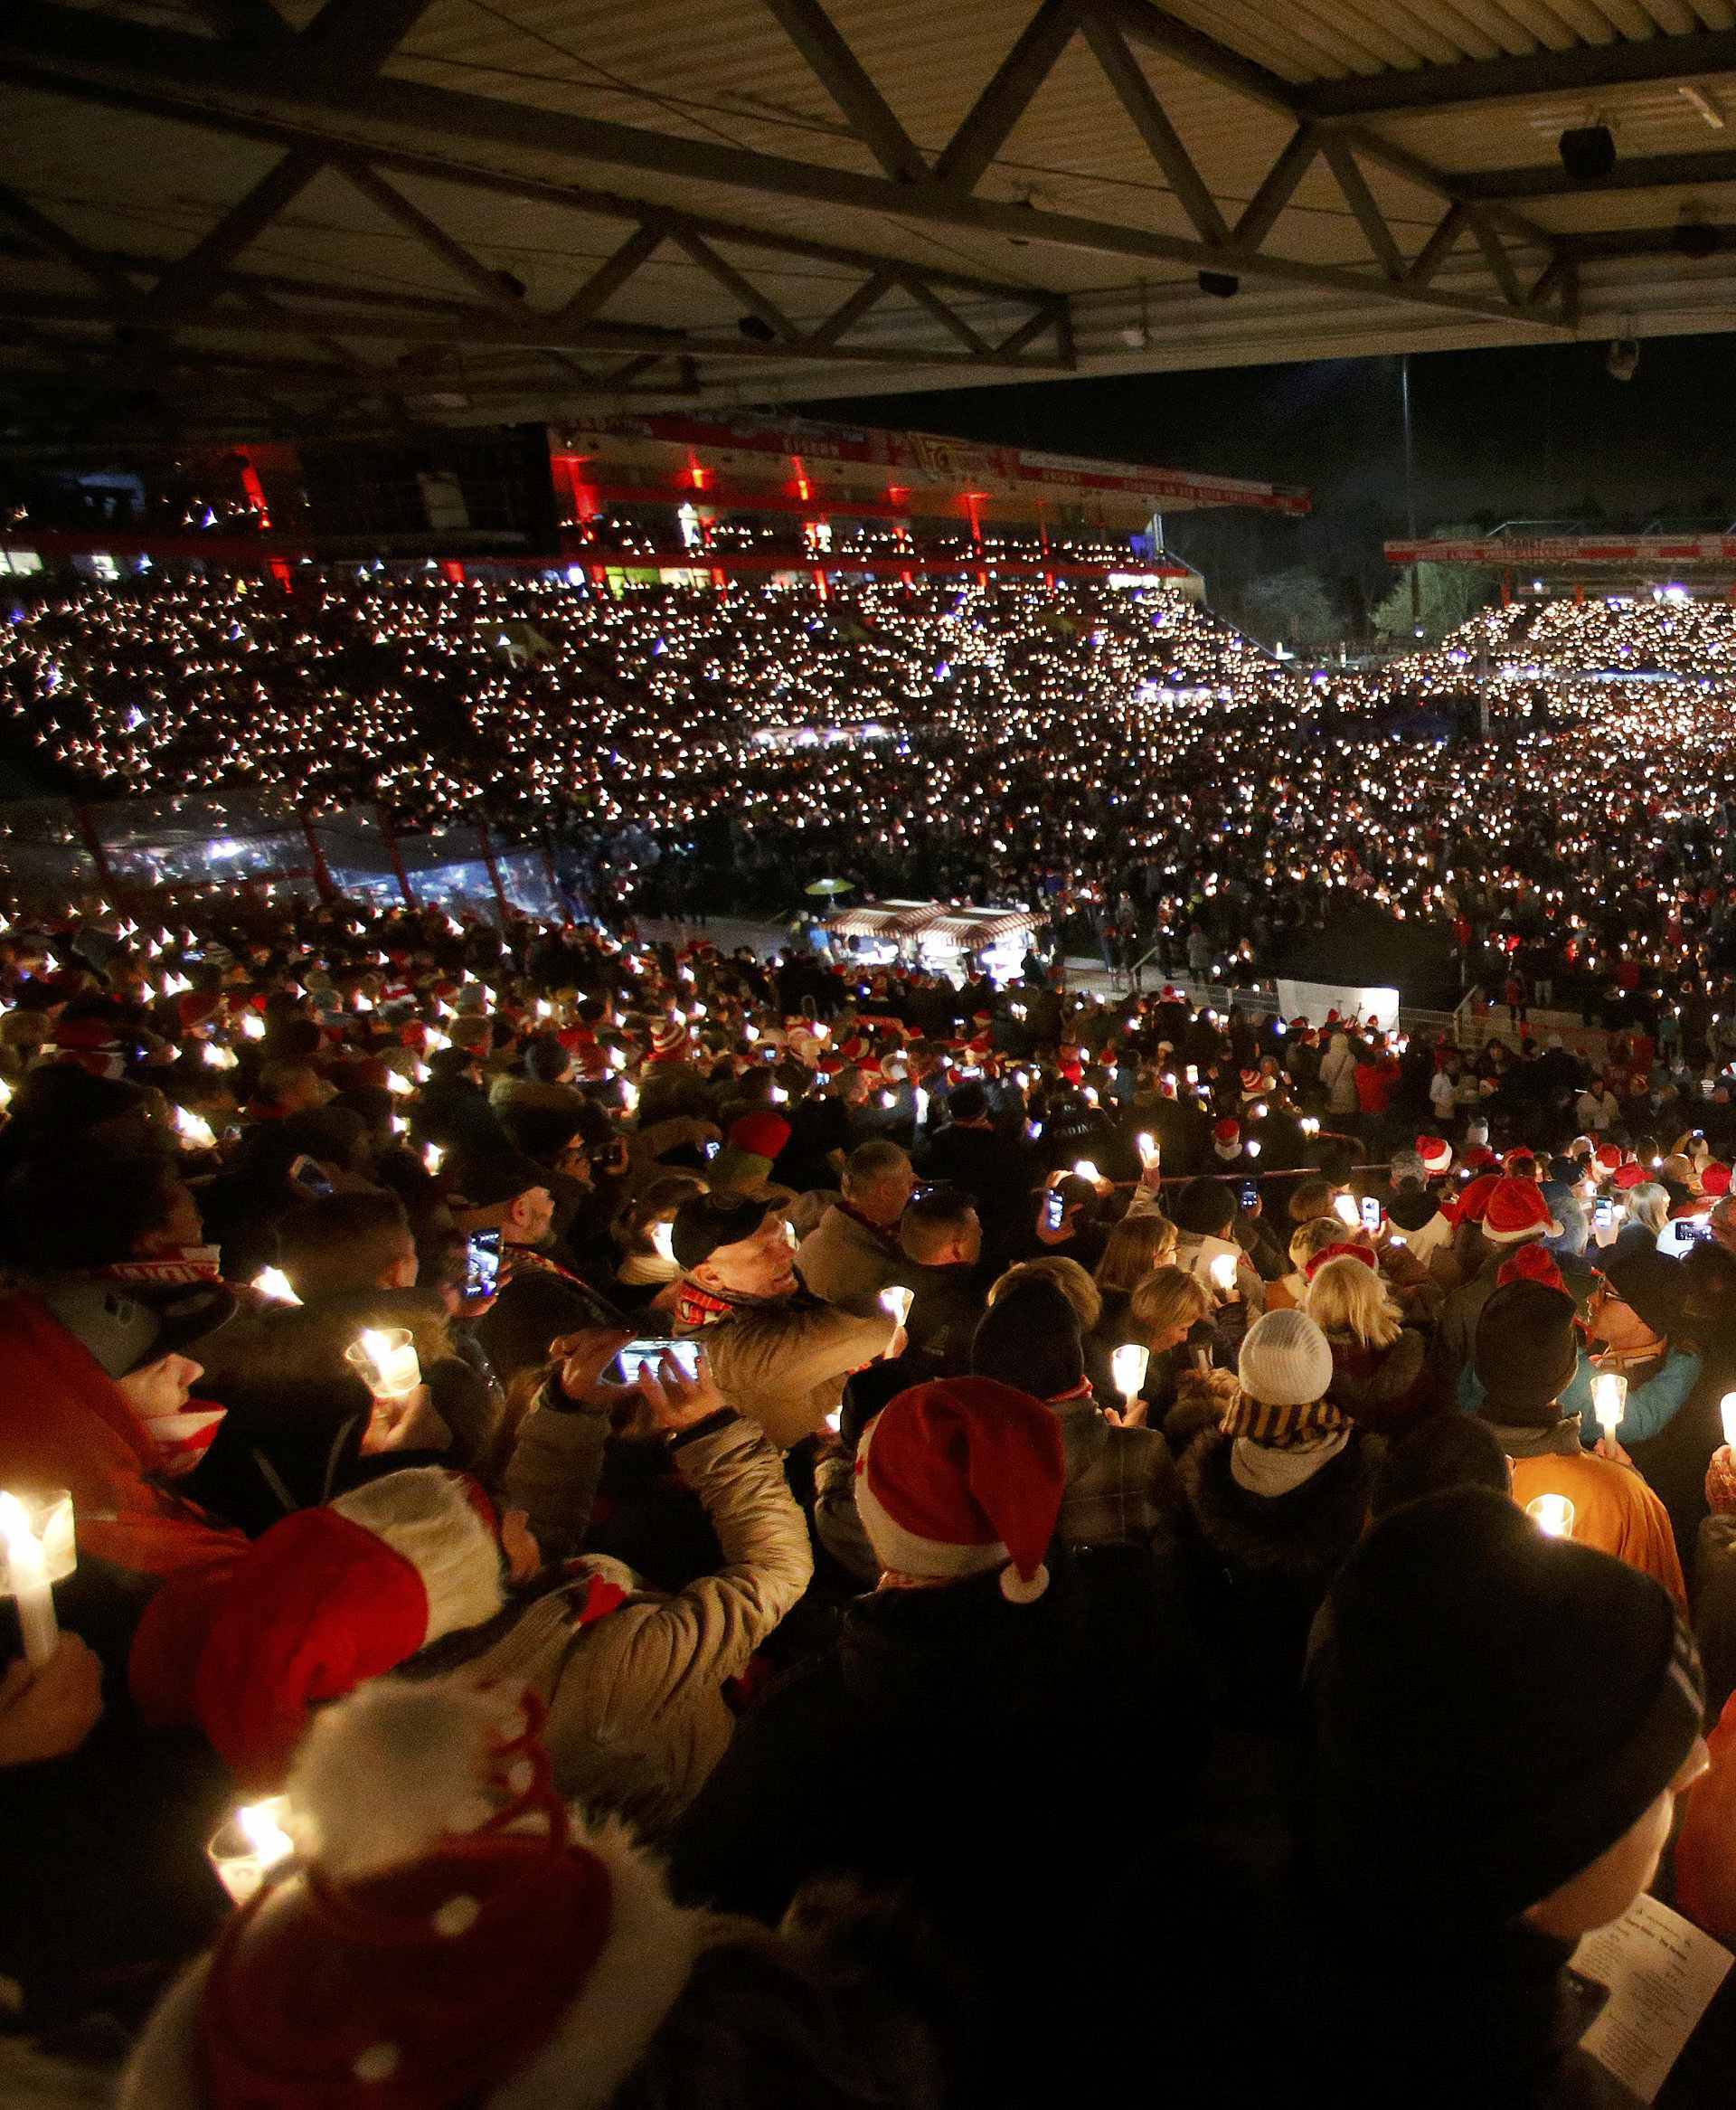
(554, 1968)
(960, 1478)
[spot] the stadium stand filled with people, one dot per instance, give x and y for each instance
(797, 1532)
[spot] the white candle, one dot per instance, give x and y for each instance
(1609, 1400)
(195, 1131)
(1084, 1169)
(1224, 1273)
(433, 1156)
(1344, 1209)
(248, 1845)
(217, 1057)
(1309, 1125)
(1552, 1514)
(1727, 1407)
(399, 1085)
(1127, 1367)
(271, 1281)
(385, 1357)
(1146, 1146)
(897, 1301)
(253, 1025)
(663, 1239)
(36, 1537)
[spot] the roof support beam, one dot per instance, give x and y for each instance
(452, 330)
(739, 287)
(840, 72)
(850, 312)
(997, 110)
(50, 235)
(1277, 188)
(357, 36)
(1435, 251)
(434, 238)
(1352, 182)
(155, 59)
(192, 284)
(1163, 141)
(1640, 172)
(611, 275)
(1582, 69)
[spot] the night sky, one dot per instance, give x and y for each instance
(1534, 434)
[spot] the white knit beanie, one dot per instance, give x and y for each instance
(1286, 1360)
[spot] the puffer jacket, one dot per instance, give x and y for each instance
(637, 1716)
(1338, 1076)
(783, 1364)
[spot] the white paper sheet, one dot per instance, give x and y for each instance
(1661, 1973)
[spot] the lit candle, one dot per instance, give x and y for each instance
(1146, 1146)
(36, 1537)
(1084, 1169)
(398, 1083)
(433, 1156)
(1344, 1208)
(248, 1845)
(1552, 1514)
(271, 1281)
(897, 1301)
(195, 1131)
(1609, 1400)
(1727, 1409)
(1128, 1368)
(217, 1057)
(385, 1357)
(1309, 1125)
(253, 1025)
(1224, 1273)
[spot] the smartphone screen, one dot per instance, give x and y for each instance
(1371, 1213)
(1249, 1193)
(307, 1174)
(481, 1263)
(1602, 1215)
(638, 1355)
(1053, 1207)
(713, 1148)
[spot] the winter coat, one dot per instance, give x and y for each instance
(910, 1753)
(1260, 1567)
(849, 1262)
(1714, 1602)
(1614, 1511)
(1382, 1390)
(783, 1363)
(637, 1716)
(1338, 1076)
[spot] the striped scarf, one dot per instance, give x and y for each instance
(1280, 1426)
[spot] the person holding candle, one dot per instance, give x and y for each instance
(1526, 1356)
(941, 1234)
(1378, 1374)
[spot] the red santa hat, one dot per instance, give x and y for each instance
(1330, 1252)
(1437, 1154)
(1531, 1264)
(451, 1932)
(1631, 1175)
(1478, 1159)
(1473, 1204)
(1253, 1082)
(1516, 1210)
(195, 1007)
(763, 1134)
(1714, 1178)
(326, 1598)
(1608, 1160)
(1226, 1138)
(668, 1037)
(960, 1478)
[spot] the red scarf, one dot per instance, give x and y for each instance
(696, 1309)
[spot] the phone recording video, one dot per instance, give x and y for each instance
(1371, 1213)
(481, 1263)
(648, 1354)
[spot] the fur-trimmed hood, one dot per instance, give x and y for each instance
(1301, 1537)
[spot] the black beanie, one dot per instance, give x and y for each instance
(1493, 1708)
(1526, 1352)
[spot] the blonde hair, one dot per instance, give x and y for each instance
(1349, 1301)
(1067, 1275)
(1649, 1204)
(1315, 1236)
(1136, 1245)
(1167, 1296)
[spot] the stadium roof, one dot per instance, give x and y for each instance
(300, 214)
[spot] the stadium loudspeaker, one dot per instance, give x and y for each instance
(1221, 285)
(1588, 151)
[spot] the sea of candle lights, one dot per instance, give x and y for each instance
(1020, 741)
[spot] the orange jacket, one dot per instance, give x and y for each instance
(1613, 1511)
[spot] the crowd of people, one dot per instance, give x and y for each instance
(789, 1534)
(1119, 754)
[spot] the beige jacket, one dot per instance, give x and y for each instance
(637, 1713)
(842, 1261)
(783, 1363)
